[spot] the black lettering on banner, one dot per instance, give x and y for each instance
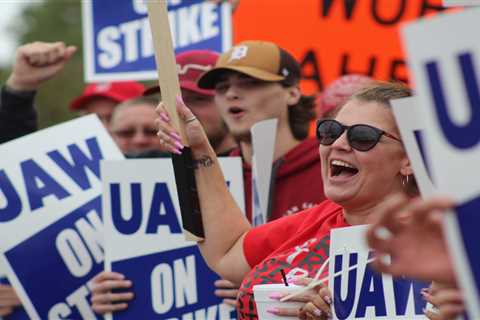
(395, 66)
(344, 66)
(309, 61)
(387, 21)
(348, 8)
(427, 6)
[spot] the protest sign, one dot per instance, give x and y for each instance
(339, 34)
(264, 134)
(118, 42)
(358, 291)
(144, 241)
(409, 119)
(50, 220)
(444, 57)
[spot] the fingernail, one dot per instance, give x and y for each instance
(276, 295)
(175, 135)
(273, 311)
(129, 283)
(424, 310)
(164, 117)
(179, 145)
(318, 312)
(328, 299)
(179, 99)
(176, 151)
(424, 290)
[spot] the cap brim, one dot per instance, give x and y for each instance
(210, 78)
(188, 85)
(80, 102)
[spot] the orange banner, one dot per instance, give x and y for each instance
(334, 37)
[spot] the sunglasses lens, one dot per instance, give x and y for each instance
(363, 138)
(328, 131)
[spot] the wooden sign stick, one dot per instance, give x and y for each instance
(165, 59)
(170, 89)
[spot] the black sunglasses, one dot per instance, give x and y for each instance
(361, 137)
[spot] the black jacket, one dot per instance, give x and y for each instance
(18, 116)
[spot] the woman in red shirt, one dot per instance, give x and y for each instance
(363, 164)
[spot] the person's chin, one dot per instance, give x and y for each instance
(339, 195)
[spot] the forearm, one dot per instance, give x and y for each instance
(224, 223)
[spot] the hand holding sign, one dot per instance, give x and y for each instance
(447, 300)
(226, 290)
(317, 305)
(103, 300)
(8, 300)
(411, 231)
(169, 136)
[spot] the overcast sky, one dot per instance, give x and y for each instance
(10, 10)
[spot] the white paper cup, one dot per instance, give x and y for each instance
(262, 293)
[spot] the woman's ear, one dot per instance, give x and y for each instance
(294, 95)
(406, 168)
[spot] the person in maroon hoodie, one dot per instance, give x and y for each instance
(255, 81)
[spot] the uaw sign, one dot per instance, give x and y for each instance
(118, 42)
(144, 241)
(361, 293)
(50, 216)
(409, 118)
(444, 54)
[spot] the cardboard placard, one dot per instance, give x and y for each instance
(50, 220)
(144, 241)
(446, 71)
(118, 44)
(359, 292)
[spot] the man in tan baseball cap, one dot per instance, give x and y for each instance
(255, 81)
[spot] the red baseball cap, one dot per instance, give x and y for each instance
(339, 91)
(117, 91)
(190, 66)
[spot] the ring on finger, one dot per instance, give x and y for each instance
(191, 119)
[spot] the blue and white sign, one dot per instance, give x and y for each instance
(144, 241)
(444, 55)
(409, 118)
(50, 216)
(359, 292)
(118, 42)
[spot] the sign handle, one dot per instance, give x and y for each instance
(165, 60)
(170, 89)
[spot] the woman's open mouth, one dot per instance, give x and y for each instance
(342, 170)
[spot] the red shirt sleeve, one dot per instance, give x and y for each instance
(262, 240)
